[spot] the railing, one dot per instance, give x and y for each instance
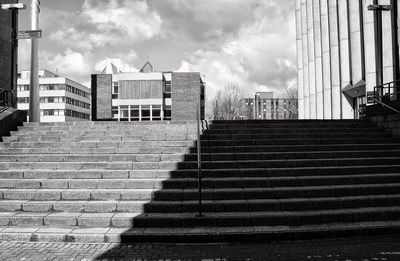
(7, 98)
(385, 93)
(199, 174)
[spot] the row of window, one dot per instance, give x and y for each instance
(69, 113)
(77, 103)
(141, 113)
(56, 87)
(76, 114)
(166, 94)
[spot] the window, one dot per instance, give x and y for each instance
(167, 113)
(145, 113)
(23, 100)
(23, 88)
(115, 90)
(156, 111)
(115, 112)
(168, 90)
(135, 113)
(124, 113)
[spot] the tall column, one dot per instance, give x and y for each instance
(318, 61)
(335, 59)
(300, 81)
(326, 59)
(306, 86)
(34, 105)
(345, 69)
(369, 47)
(355, 41)
(387, 43)
(311, 59)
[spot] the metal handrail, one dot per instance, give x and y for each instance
(385, 105)
(199, 176)
(384, 92)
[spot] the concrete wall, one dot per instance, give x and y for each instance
(101, 97)
(390, 122)
(5, 46)
(185, 95)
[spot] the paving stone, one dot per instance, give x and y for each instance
(62, 219)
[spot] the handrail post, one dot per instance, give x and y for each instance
(200, 214)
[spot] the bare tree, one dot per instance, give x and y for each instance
(226, 103)
(293, 102)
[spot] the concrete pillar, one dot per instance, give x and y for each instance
(34, 103)
(326, 60)
(344, 39)
(369, 47)
(300, 81)
(318, 61)
(306, 86)
(311, 59)
(355, 42)
(335, 59)
(387, 44)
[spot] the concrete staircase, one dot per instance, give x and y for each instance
(263, 180)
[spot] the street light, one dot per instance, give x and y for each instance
(14, 45)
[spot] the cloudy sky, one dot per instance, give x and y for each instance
(250, 43)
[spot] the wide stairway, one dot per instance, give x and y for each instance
(262, 180)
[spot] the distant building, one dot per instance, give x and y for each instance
(146, 95)
(61, 99)
(264, 107)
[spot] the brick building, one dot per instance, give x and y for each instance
(5, 46)
(146, 95)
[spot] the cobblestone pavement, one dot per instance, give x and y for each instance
(380, 248)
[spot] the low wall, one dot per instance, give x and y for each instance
(390, 122)
(10, 119)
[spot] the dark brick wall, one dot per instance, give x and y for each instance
(185, 94)
(5, 46)
(101, 97)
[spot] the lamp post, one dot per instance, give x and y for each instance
(34, 105)
(14, 46)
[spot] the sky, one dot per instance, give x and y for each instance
(249, 43)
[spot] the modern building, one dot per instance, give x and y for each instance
(346, 48)
(61, 99)
(146, 95)
(5, 51)
(265, 107)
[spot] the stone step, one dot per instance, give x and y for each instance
(126, 165)
(250, 205)
(53, 219)
(91, 151)
(94, 144)
(143, 124)
(211, 173)
(268, 218)
(305, 141)
(120, 165)
(109, 138)
(199, 234)
(298, 129)
(192, 183)
(304, 191)
(289, 126)
(215, 157)
(293, 148)
(88, 206)
(96, 158)
(234, 137)
(260, 205)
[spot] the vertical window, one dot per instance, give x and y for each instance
(135, 113)
(168, 90)
(115, 112)
(156, 112)
(167, 113)
(124, 113)
(115, 90)
(145, 113)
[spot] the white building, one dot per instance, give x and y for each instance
(61, 99)
(347, 49)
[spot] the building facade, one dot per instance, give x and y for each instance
(61, 99)
(265, 107)
(146, 95)
(5, 49)
(345, 49)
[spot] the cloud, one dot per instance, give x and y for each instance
(259, 57)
